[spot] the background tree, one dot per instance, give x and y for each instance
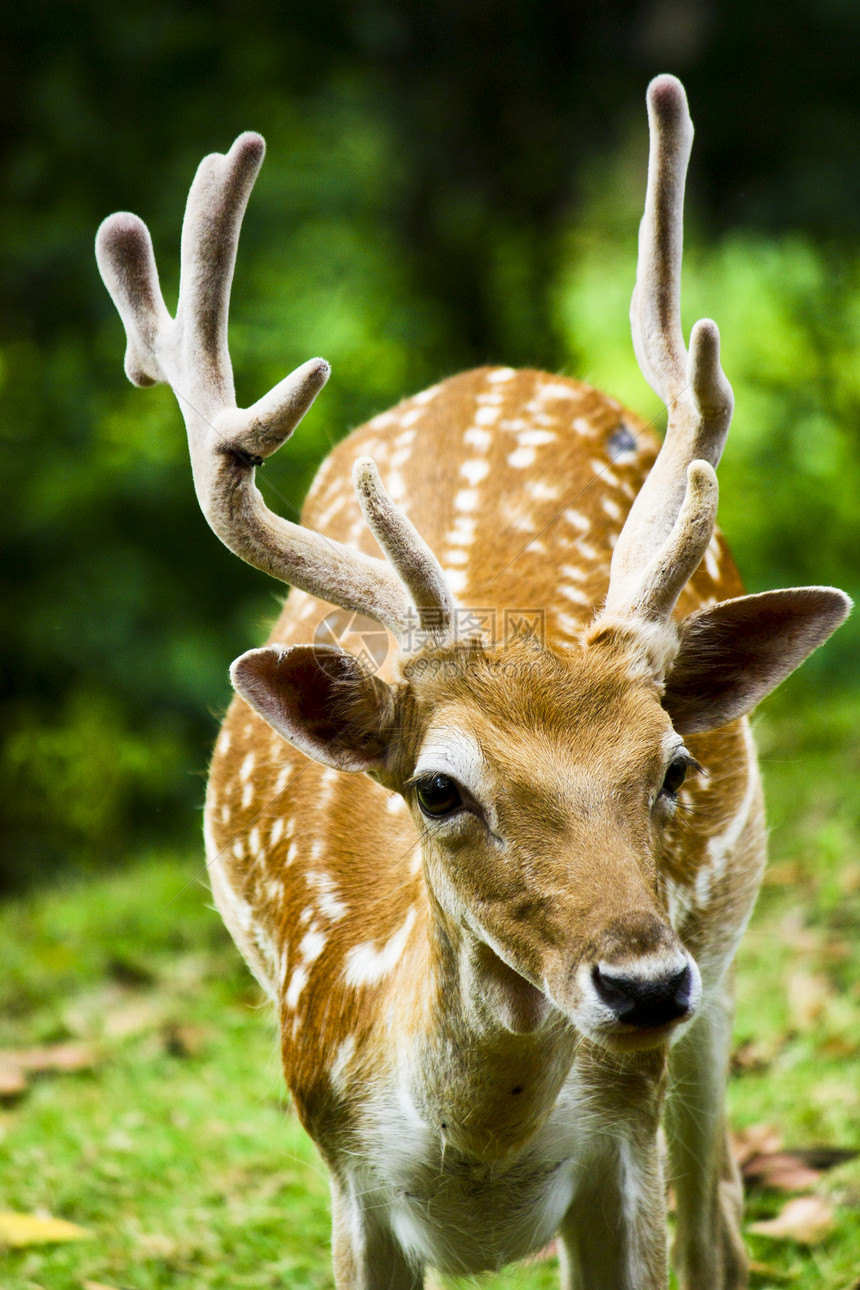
(448, 183)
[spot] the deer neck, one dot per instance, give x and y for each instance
(490, 1055)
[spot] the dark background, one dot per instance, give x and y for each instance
(448, 183)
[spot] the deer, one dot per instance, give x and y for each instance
(493, 882)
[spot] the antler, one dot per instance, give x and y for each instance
(673, 517)
(190, 354)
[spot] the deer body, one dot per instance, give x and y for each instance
(500, 945)
(335, 920)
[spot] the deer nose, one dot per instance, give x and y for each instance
(643, 1001)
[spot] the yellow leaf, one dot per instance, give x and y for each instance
(806, 1219)
(21, 1230)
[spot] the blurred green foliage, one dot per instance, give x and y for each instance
(448, 183)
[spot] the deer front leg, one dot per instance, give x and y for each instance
(708, 1252)
(613, 1237)
(365, 1253)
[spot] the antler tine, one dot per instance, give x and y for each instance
(415, 563)
(655, 310)
(698, 396)
(226, 443)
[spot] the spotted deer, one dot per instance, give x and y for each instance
(494, 888)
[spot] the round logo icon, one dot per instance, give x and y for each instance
(357, 634)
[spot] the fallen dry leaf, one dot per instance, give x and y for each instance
(808, 996)
(21, 1230)
(788, 873)
(185, 1041)
(806, 1219)
(50, 1057)
(13, 1081)
(780, 1170)
(754, 1140)
(759, 1269)
(756, 1054)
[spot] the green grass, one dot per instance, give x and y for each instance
(178, 1153)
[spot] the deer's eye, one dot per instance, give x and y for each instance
(676, 774)
(438, 795)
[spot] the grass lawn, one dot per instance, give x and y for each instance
(169, 1140)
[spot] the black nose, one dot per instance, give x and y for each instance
(645, 1001)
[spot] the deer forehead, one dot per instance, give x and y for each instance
(549, 754)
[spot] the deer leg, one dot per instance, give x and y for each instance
(365, 1253)
(613, 1237)
(708, 1252)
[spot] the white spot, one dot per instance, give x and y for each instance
(395, 485)
(501, 374)
(574, 593)
(582, 425)
(400, 457)
(306, 915)
(612, 509)
(426, 395)
(312, 944)
(292, 853)
(487, 416)
(536, 438)
(283, 775)
(601, 469)
(326, 516)
(298, 981)
(277, 832)
(521, 458)
(329, 902)
(456, 579)
(454, 556)
(405, 439)
(555, 390)
(345, 1049)
(588, 551)
(333, 908)
(239, 849)
(463, 531)
(394, 804)
(573, 571)
(382, 420)
(577, 519)
(409, 418)
(712, 562)
(365, 964)
(568, 625)
(466, 499)
(540, 491)
(225, 814)
(225, 741)
(247, 796)
(475, 471)
(247, 768)
(477, 438)
(254, 841)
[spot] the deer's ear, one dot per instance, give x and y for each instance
(321, 700)
(735, 653)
